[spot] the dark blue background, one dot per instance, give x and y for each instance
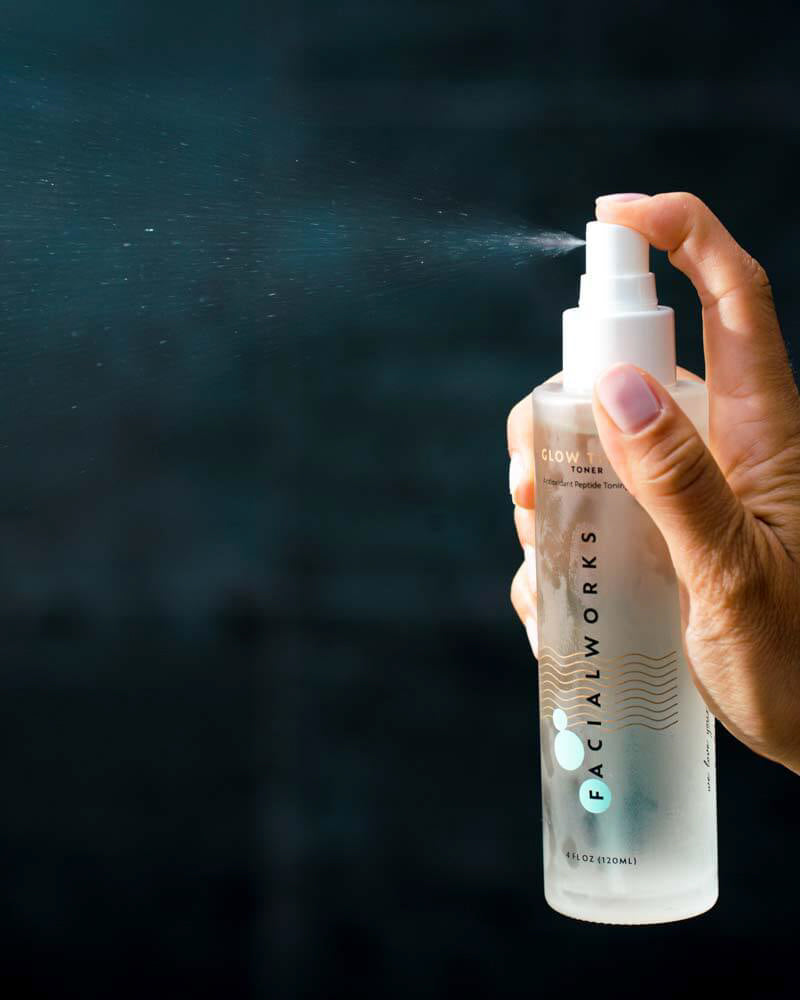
(268, 719)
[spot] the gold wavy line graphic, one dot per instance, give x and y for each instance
(548, 691)
(623, 687)
(549, 668)
(573, 711)
(644, 725)
(585, 675)
(650, 701)
(618, 705)
(569, 668)
(572, 660)
(635, 669)
(567, 699)
(591, 671)
(595, 664)
(571, 681)
(563, 657)
(645, 684)
(615, 671)
(645, 667)
(567, 695)
(604, 661)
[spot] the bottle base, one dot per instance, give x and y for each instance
(627, 910)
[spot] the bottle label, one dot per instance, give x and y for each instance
(627, 743)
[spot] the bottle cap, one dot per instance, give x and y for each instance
(618, 275)
(618, 317)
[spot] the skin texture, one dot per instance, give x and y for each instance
(729, 513)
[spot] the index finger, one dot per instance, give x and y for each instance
(744, 345)
(750, 381)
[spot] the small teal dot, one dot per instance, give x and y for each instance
(560, 719)
(569, 750)
(595, 795)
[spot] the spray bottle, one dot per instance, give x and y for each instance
(627, 743)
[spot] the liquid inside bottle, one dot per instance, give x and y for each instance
(627, 744)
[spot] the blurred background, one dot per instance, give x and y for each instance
(269, 722)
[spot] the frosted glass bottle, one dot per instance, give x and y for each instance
(627, 743)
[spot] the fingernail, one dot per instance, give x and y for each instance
(516, 472)
(530, 565)
(533, 637)
(627, 398)
(626, 196)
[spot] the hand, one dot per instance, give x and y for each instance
(729, 513)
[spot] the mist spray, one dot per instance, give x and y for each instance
(627, 743)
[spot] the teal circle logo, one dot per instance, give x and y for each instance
(568, 745)
(595, 795)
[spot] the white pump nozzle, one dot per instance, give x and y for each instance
(618, 317)
(612, 249)
(618, 276)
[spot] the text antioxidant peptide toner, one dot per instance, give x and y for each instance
(627, 743)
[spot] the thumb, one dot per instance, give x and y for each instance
(661, 459)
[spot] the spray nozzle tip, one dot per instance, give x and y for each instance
(615, 250)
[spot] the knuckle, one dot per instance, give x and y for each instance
(524, 521)
(514, 594)
(518, 595)
(760, 275)
(690, 200)
(691, 211)
(689, 203)
(759, 278)
(509, 426)
(516, 421)
(674, 464)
